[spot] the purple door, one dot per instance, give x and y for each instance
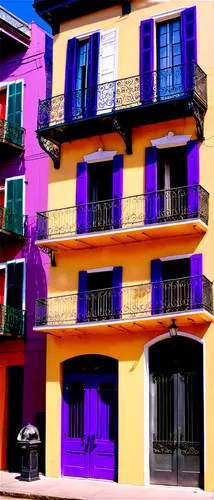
(90, 426)
(75, 426)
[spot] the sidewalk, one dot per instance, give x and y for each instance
(85, 489)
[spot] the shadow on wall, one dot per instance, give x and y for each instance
(10, 65)
(37, 264)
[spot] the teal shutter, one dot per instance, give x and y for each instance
(14, 214)
(14, 112)
(14, 318)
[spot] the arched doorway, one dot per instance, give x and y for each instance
(90, 417)
(176, 412)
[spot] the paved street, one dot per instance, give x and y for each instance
(84, 489)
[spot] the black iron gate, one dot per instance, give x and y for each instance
(176, 405)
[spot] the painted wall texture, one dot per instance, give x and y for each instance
(135, 258)
(33, 66)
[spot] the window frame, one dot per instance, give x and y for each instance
(5, 86)
(4, 265)
(24, 194)
(159, 18)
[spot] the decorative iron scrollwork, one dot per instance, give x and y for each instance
(190, 447)
(198, 114)
(161, 207)
(12, 133)
(162, 447)
(12, 320)
(51, 255)
(129, 301)
(184, 81)
(124, 131)
(52, 148)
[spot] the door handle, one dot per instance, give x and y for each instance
(85, 440)
(93, 442)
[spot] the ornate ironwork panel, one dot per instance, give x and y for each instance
(153, 208)
(12, 321)
(11, 133)
(183, 294)
(163, 439)
(114, 96)
(12, 221)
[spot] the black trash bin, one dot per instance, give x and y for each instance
(29, 440)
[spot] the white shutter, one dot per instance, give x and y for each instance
(107, 71)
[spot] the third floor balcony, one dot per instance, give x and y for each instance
(161, 214)
(119, 106)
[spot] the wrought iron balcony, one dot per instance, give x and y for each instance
(120, 105)
(12, 224)
(12, 321)
(127, 303)
(148, 211)
(11, 134)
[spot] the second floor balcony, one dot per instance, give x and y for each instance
(12, 322)
(119, 106)
(12, 225)
(11, 136)
(160, 214)
(135, 307)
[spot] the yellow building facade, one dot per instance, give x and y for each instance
(127, 398)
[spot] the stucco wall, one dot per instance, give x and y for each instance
(135, 258)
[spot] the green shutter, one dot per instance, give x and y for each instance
(11, 103)
(14, 203)
(14, 113)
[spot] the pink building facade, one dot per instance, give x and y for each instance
(25, 77)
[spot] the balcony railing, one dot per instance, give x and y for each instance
(12, 321)
(11, 133)
(178, 82)
(159, 207)
(12, 221)
(128, 302)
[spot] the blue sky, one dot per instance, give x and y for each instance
(24, 10)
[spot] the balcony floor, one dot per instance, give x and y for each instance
(129, 325)
(124, 235)
(9, 237)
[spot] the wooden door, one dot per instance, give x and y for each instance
(75, 426)
(176, 406)
(89, 426)
(14, 419)
(104, 426)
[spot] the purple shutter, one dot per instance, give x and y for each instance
(157, 286)
(196, 281)
(189, 47)
(193, 178)
(117, 291)
(147, 61)
(82, 297)
(151, 186)
(70, 80)
(82, 197)
(117, 190)
(93, 62)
